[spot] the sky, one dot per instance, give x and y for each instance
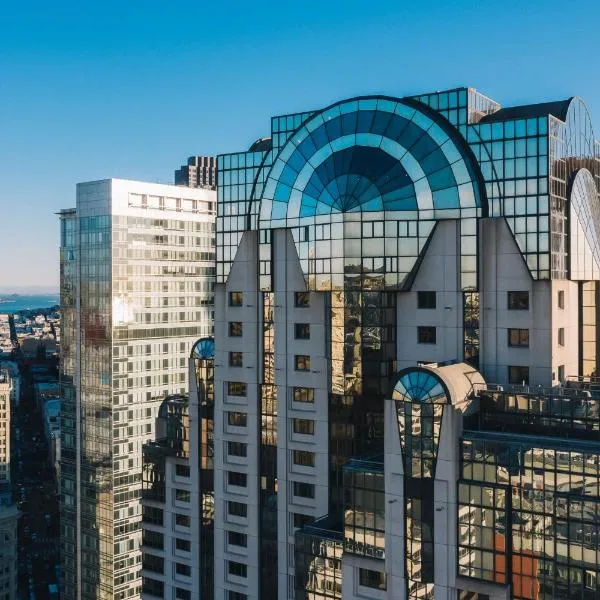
(131, 89)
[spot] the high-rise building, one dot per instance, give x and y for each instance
(178, 490)
(200, 171)
(9, 513)
(137, 291)
(406, 354)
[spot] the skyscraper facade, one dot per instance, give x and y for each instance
(200, 171)
(137, 277)
(406, 398)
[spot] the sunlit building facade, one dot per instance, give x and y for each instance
(137, 279)
(406, 353)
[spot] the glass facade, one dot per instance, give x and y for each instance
(365, 189)
(136, 264)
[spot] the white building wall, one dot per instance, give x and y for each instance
(242, 278)
(438, 272)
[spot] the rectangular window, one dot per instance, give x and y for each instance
(304, 394)
(152, 515)
(304, 490)
(236, 388)
(426, 300)
(182, 520)
(518, 338)
(518, 300)
(302, 331)
(182, 495)
(561, 299)
(304, 426)
(561, 336)
(181, 594)
(372, 579)
(426, 335)
(301, 520)
(237, 449)
(182, 470)
(304, 458)
(235, 538)
(236, 359)
(561, 373)
(518, 375)
(236, 299)
(235, 329)
(237, 478)
(182, 569)
(302, 362)
(231, 595)
(237, 419)
(183, 545)
(237, 509)
(302, 299)
(237, 569)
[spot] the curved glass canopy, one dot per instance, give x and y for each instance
(204, 348)
(368, 155)
(584, 227)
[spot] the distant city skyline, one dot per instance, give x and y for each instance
(113, 91)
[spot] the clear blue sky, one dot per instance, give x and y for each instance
(130, 89)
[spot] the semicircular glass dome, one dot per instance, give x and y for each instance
(421, 386)
(204, 348)
(368, 155)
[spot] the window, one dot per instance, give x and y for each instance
(561, 373)
(231, 595)
(184, 545)
(304, 490)
(153, 563)
(236, 388)
(304, 394)
(561, 299)
(302, 362)
(181, 594)
(235, 538)
(372, 579)
(426, 300)
(302, 331)
(561, 336)
(301, 520)
(518, 375)
(182, 496)
(152, 515)
(235, 329)
(426, 335)
(518, 300)
(237, 509)
(237, 419)
(237, 478)
(518, 338)
(236, 299)
(182, 520)
(237, 449)
(302, 299)
(152, 539)
(237, 569)
(153, 587)
(182, 569)
(304, 458)
(304, 426)
(182, 470)
(236, 359)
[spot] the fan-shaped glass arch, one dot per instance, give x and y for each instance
(204, 348)
(420, 385)
(369, 154)
(584, 217)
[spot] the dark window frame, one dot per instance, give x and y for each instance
(236, 298)
(517, 337)
(427, 334)
(515, 374)
(517, 300)
(302, 362)
(236, 329)
(302, 299)
(426, 300)
(302, 331)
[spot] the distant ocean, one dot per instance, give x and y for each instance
(12, 304)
